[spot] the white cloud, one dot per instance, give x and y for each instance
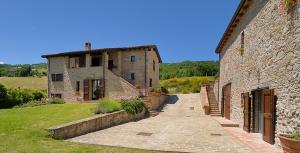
(1, 62)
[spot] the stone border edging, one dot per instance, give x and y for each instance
(92, 124)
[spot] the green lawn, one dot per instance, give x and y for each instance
(23, 129)
(25, 82)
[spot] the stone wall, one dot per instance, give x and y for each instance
(67, 87)
(204, 100)
(137, 67)
(116, 81)
(152, 73)
(155, 102)
(271, 59)
(92, 124)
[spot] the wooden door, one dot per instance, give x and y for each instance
(246, 111)
(222, 101)
(102, 89)
(86, 90)
(268, 115)
(227, 101)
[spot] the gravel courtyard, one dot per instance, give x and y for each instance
(181, 127)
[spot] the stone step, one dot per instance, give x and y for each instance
(216, 115)
(214, 112)
(153, 113)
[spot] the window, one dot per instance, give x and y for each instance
(153, 65)
(76, 62)
(96, 61)
(82, 61)
(243, 39)
(78, 86)
(132, 58)
(150, 82)
(57, 77)
(242, 49)
(132, 76)
(56, 96)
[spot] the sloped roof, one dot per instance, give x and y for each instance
(100, 50)
(239, 13)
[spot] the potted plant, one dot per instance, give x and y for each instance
(290, 142)
(286, 5)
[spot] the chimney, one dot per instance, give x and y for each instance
(87, 46)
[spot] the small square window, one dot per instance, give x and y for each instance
(57, 77)
(150, 82)
(132, 58)
(132, 76)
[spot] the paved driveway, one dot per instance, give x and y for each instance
(181, 127)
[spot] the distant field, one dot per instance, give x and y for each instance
(25, 82)
(186, 84)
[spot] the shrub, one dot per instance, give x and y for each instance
(296, 135)
(10, 97)
(164, 90)
(34, 103)
(56, 101)
(106, 105)
(19, 96)
(184, 91)
(39, 95)
(133, 106)
(3, 96)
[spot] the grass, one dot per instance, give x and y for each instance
(25, 82)
(185, 85)
(23, 129)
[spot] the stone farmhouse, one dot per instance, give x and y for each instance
(91, 74)
(259, 78)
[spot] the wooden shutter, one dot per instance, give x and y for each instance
(246, 111)
(227, 101)
(86, 90)
(268, 116)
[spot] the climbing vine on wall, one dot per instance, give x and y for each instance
(286, 5)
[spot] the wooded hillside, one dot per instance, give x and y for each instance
(188, 69)
(23, 70)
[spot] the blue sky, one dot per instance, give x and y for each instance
(182, 29)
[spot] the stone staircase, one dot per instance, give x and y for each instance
(213, 104)
(152, 112)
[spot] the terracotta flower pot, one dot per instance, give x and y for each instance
(288, 144)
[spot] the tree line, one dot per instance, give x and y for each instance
(23, 70)
(188, 69)
(167, 70)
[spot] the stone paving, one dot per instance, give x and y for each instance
(180, 127)
(253, 140)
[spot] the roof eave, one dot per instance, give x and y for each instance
(243, 6)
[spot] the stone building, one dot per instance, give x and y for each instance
(118, 73)
(259, 79)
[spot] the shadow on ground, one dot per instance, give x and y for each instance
(172, 99)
